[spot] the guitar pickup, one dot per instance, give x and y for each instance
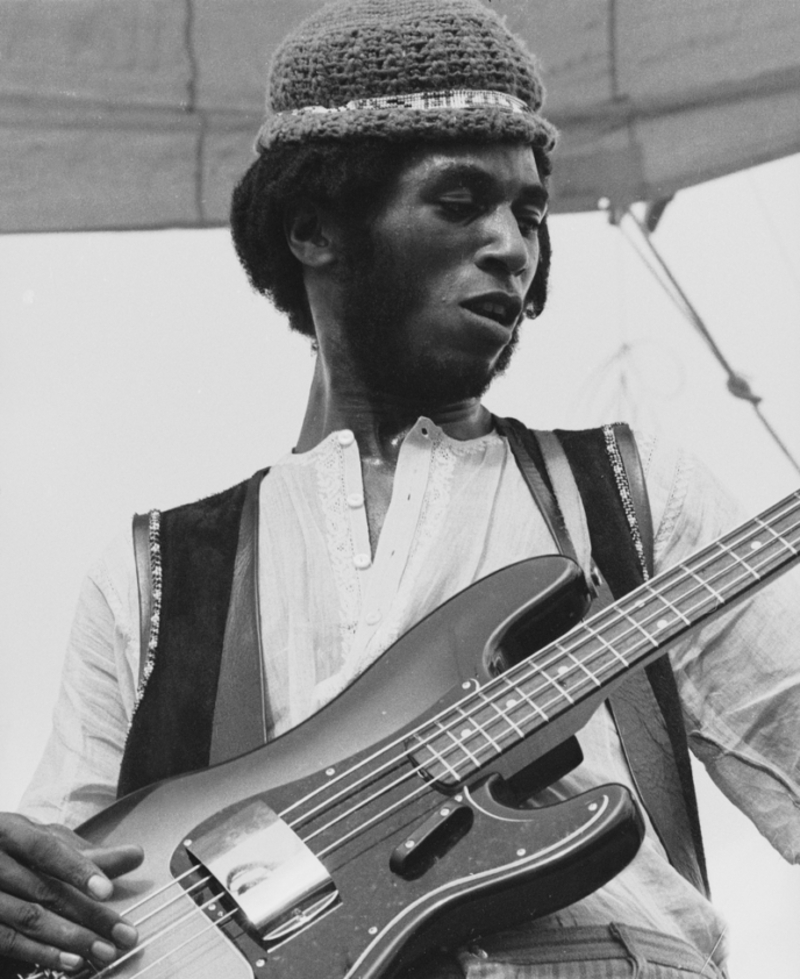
(430, 841)
(275, 880)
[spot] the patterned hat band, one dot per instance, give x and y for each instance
(452, 99)
(414, 101)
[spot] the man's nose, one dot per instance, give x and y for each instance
(506, 245)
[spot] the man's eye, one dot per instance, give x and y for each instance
(529, 224)
(459, 206)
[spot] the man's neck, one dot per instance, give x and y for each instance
(380, 422)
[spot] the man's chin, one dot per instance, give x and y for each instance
(441, 382)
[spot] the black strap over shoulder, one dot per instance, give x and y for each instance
(609, 477)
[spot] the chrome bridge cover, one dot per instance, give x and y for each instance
(272, 876)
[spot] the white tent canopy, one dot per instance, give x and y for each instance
(119, 114)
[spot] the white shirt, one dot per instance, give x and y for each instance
(459, 511)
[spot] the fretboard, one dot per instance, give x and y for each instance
(595, 654)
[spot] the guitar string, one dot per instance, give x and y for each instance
(547, 684)
(561, 648)
(138, 949)
(175, 881)
(483, 747)
(184, 890)
(211, 926)
(460, 720)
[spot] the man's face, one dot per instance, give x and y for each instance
(433, 296)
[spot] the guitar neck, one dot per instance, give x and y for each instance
(640, 626)
(593, 656)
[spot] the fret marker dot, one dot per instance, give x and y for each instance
(466, 732)
(662, 624)
(511, 702)
(562, 670)
(754, 545)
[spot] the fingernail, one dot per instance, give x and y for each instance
(69, 961)
(124, 935)
(103, 951)
(100, 887)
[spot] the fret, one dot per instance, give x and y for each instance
(457, 742)
(719, 598)
(520, 690)
(550, 681)
(502, 714)
(671, 606)
(721, 571)
(739, 560)
(477, 728)
(629, 618)
(605, 644)
(579, 663)
(424, 755)
(778, 537)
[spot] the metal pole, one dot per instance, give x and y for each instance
(737, 384)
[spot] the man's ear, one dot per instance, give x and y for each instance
(311, 236)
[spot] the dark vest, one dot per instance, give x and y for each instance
(173, 730)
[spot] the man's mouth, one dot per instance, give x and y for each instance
(504, 308)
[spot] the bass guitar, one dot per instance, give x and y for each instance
(386, 826)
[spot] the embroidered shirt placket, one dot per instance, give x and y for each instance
(397, 536)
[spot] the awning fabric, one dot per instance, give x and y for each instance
(121, 114)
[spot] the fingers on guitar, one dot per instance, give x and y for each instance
(39, 848)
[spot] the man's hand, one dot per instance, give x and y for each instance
(52, 885)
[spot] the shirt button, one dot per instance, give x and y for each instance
(345, 437)
(362, 561)
(372, 618)
(355, 500)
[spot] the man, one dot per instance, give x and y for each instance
(397, 214)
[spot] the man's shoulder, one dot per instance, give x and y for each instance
(216, 504)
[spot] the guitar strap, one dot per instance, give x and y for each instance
(645, 709)
(241, 708)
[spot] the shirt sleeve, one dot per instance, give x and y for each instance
(78, 773)
(739, 675)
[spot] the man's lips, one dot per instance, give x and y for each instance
(503, 308)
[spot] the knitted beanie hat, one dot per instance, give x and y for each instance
(404, 69)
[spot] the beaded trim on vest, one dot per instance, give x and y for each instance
(625, 495)
(154, 537)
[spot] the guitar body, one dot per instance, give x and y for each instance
(353, 783)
